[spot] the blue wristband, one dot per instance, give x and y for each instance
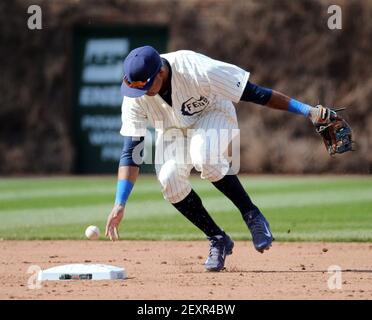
(298, 107)
(123, 189)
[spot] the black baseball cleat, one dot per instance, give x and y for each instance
(219, 247)
(260, 230)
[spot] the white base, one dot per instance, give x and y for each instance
(83, 272)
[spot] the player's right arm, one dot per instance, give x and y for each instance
(134, 123)
(130, 159)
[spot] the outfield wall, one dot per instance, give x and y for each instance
(285, 44)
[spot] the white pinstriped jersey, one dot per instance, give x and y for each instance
(199, 85)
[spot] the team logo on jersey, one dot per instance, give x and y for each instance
(193, 106)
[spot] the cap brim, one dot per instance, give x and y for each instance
(135, 92)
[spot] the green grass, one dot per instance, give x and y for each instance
(299, 208)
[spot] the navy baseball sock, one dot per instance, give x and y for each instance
(231, 187)
(192, 208)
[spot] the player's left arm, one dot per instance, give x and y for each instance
(334, 130)
(276, 100)
(225, 80)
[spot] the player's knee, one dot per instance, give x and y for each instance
(167, 173)
(175, 186)
(210, 168)
(213, 172)
(207, 160)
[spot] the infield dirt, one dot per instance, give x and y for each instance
(174, 270)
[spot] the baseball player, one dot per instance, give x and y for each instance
(184, 94)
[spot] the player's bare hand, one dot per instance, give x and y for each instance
(113, 221)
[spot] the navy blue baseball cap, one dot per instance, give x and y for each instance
(140, 69)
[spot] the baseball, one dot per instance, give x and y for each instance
(92, 233)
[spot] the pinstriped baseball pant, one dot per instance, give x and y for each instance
(204, 147)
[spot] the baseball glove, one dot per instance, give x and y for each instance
(334, 130)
